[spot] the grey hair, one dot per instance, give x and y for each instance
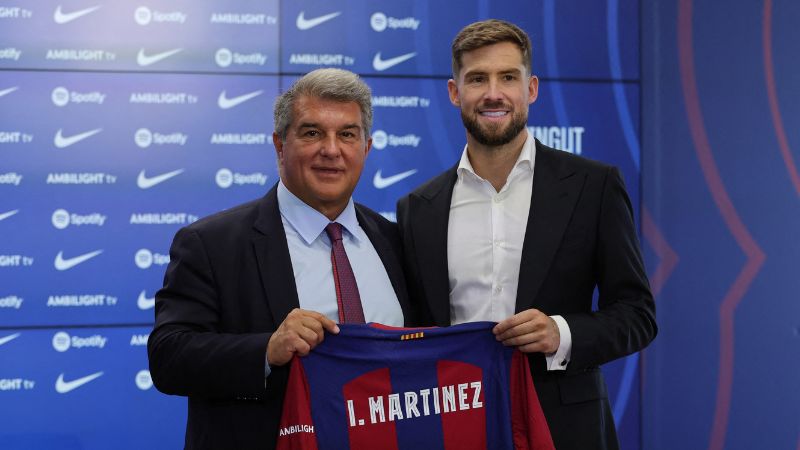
(329, 84)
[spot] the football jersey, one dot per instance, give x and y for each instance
(378, 387)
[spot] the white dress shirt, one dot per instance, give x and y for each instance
(310, 252)
(484, 246)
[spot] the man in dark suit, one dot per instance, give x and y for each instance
(521, 234)
(250, 287)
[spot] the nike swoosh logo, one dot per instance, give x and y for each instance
(381, 183)
(8, 214)
(227, 103)
(145, 303)
(8, 338)
(8, 91)
(62, 387)
(307, 24)
(145, 182)
(145, 60)
(65, 264)
(63, 142)
(382, 64)
(61, 18)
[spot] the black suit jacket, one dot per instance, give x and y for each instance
(228, 286)
(580, 235)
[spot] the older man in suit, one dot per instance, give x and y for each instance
(521, 234)
(252, 286)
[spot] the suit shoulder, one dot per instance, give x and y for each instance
(574, 162)
(379, 219)
(227, 219)
(435, 184)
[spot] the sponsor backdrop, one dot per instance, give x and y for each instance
(721, 103)
(120, 122)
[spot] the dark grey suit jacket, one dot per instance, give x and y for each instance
(228, 286)
(580, 235)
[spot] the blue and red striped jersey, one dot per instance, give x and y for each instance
(377, 387)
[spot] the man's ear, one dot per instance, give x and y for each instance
(452, 90)
(369, 147)
(278, 143)
(533, 89)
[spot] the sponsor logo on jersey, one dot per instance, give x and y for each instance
(145, 259)
(80, 300)
(15, 137)
(61, 219)
(226, 178)
(62, 341)
(225, 102)
(144, 59)
(162, 98)
(10, 53)
(321, 59)
(6, 339)
(6, 91)
(225, 57)
(144, 302)
(380, 22)
(16, 261)
(381, 182)
(239, 138)
(380, 64)
(15, 12)
(61, 141)
(303, 23)
(144, 16)
(62, 96)
(7, 214)
(400, 101)
(79, 54)
(164, 218)
(242, 18)
(139, 340)
(145, 138)
(11, 302)
(81, 178)
(143, 380)
(298, 428)
(10, 178)
(568, 139)
(16, 384)
(61, 263)
(381, 140)
(62, 17)
(145, 182)
(62, 386)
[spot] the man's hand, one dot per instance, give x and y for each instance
(299, 333)
(531, 331)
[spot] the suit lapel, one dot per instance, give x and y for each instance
(274, 262)
(555, 192)
(388, 256)
(429, 232)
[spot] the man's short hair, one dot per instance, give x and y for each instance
(488, 32)
(329, 84)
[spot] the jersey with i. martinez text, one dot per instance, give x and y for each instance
(378, 387)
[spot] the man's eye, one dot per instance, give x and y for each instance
(311, 133)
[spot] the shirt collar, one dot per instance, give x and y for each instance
(309, 222)
(524, 160)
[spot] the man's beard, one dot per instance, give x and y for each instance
(491, 135)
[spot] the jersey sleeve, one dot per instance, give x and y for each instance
(296, 430)
(528, 424)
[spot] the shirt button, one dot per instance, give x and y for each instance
(498, 288)
(498, 199)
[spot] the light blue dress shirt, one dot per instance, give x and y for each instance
(310, 251)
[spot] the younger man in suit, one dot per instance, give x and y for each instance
(521, 234)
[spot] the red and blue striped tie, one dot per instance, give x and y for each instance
(347, 296)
